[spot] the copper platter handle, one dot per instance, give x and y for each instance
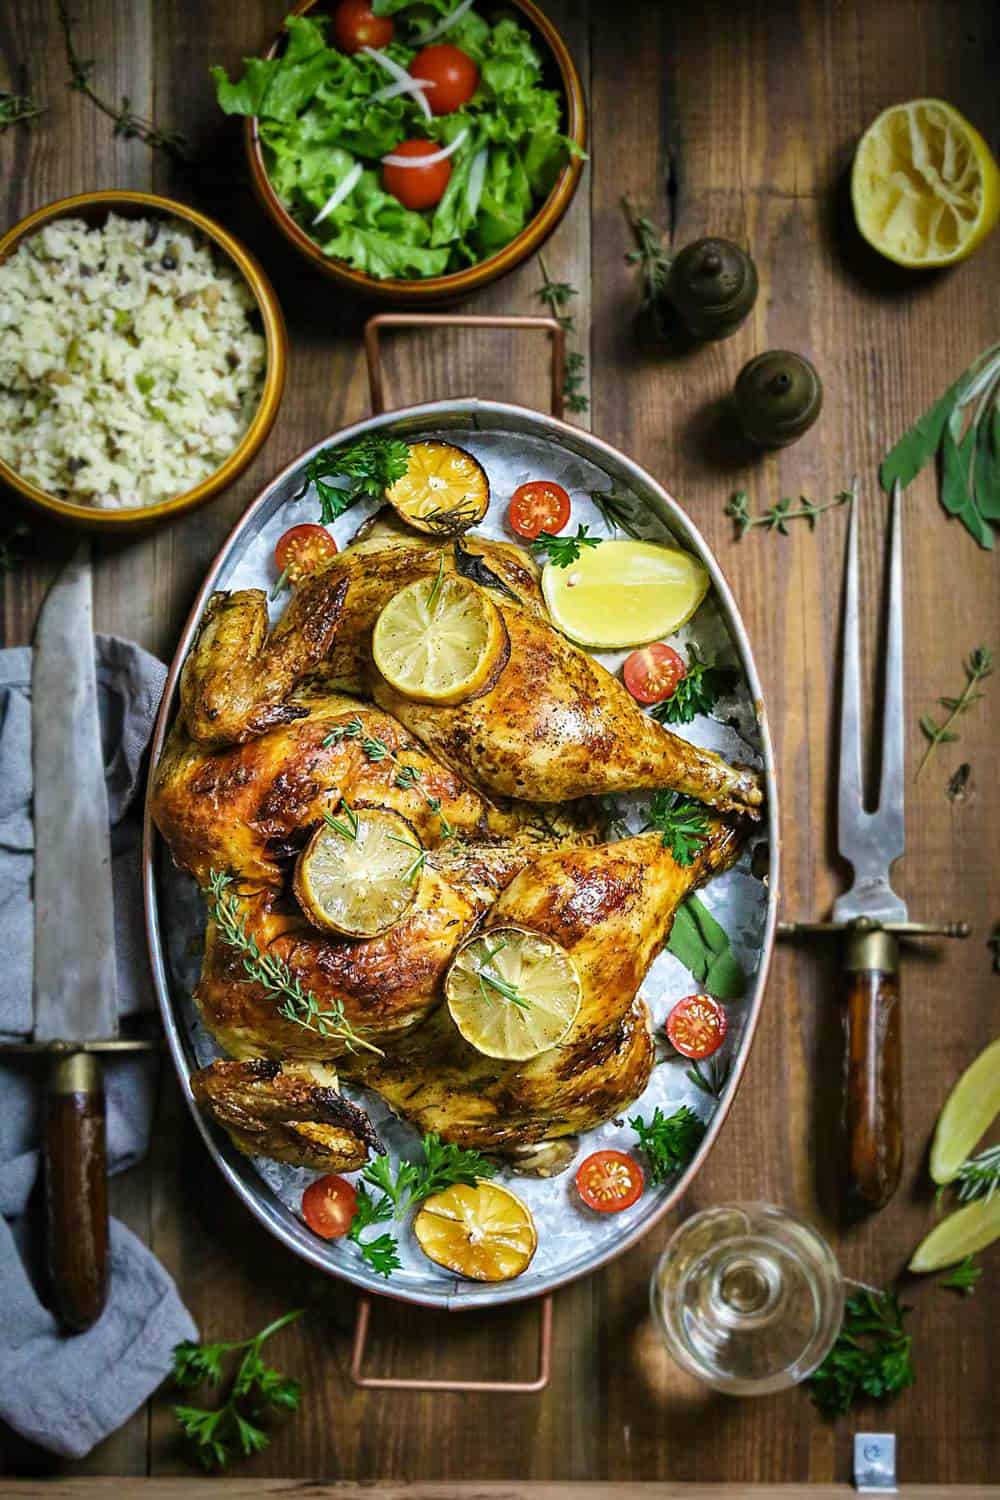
(480, 1387)
(373, 353)
(873, 1113)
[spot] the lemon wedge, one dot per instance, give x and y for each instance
(962, 1233)
(511, 993)
(444, 490)
(925, 185)
(481, 1231)
(624, 593)
(359, 873)
(440, 640)
(969, 1111)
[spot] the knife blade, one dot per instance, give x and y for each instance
(74, 968)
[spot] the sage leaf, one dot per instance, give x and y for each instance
(698, 942)
(987, 469)
(955, 493)
(920, 443)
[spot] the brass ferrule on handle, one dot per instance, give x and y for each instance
(870, 947)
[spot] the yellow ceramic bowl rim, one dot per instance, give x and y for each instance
(457, 283)
(274, 377)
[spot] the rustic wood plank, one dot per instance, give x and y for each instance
(236, 1489)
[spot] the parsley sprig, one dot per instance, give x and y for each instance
(777, 516)
(682, 822)
(375, 749)
(219, 1434)
(557, 296)
(345, 474)
(963, 1277)
(668, 1142)
(978, 667)
(870, 1357)
(698, 691)
(563, 550)
(400, 1188)
(273, 974)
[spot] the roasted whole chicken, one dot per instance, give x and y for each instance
(277, 731)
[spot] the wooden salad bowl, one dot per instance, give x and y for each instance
(94, 209)
(431, 290)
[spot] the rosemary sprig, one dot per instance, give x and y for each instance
(714, 1081)
(127, 123)
(979, 1176)
(557, 296)
(454, 520)
(978, 667)
(421, 859)
(273, 973)
(652, 260)
(347, 826)
(15, 108)
(375, 749)
(496, 983)
(776, 517)
(963, 1277)
(618, 512)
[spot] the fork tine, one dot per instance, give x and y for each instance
(890, 802)
(850, 800)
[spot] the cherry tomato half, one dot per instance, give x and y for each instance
(538, 506)
(452, 72)
(303, 550)
(328, 1206)
(609, 1181)
(697, 1026)
(653, 672)
(356, 26)
(416, 187)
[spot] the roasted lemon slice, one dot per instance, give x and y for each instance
(359, 873)
(624, 593)
(511, 993)
(965, 1232)
(483, 1232)
(440, 640)
(925, 186)
(969, 1111)
(444, 490)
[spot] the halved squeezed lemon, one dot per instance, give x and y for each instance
(440, 640)
(624, 593)
(968, 1113)
(925, 186)
(444, 490)
(481, 1231)
(511, 993)
(359, 873)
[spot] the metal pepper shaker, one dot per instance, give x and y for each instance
(712, 287)
(778, 397)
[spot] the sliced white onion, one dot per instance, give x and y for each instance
(425, 161)
(404, 86)
(446, 24)
(400, 75)
(340, 192)
(477, 177)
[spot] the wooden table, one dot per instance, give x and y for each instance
(732, 117)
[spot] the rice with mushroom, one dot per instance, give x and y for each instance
(129, 367)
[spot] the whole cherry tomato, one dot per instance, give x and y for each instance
(416, 187)
(452, 72)
(355, 26)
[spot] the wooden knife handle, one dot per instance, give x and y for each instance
(873, 1104)
(76, 1189)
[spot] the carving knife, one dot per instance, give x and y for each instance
(74, 968)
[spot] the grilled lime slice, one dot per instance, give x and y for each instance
(440, 640)
(360, 872)
(511, 993)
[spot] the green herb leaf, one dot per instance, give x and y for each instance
(619, 512)
(682, 822)
(777, 515)
(979, 1176)
(963, 1277)
(653, 262)
(698, 942)
(919, 444)
(871, 1355)
(668, 1142)
(978, 667)
(557, 296)
(471, 565)
(698, 691)
(15, 108)
(712, 1082)
(563, 550)
(365, 468)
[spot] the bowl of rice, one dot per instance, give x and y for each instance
(142, 358)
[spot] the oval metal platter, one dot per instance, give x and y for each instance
(513, 444)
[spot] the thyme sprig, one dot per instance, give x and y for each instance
(375, 749)
(127, 123)
(272, 973)
(15, 108)
(652, 260)
(557, 296)
(978, 667)
(777, 516)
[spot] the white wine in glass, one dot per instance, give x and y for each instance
(748, 1298)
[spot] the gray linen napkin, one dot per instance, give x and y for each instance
(67, 1393)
